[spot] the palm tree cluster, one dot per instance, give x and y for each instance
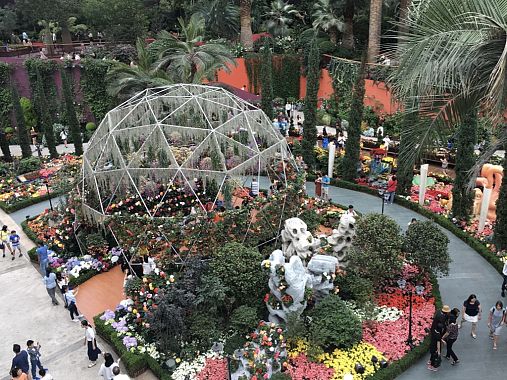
(183, 58)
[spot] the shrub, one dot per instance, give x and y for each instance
(9, 130)
(280, 376)
(334, 325)
(90, 126)
(376, 253)
(239, 270)
(29, 164)
(243, 319)
(355, 287)
(426, 246)
(204, 328)
(312, 219)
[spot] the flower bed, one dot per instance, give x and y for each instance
(17, 192)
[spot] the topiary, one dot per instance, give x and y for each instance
(334, 325)
(376, 251)
(243, 319)
(90, 126)
(238, 268)
(425, 245)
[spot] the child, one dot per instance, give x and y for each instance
(44, 375)
(14, 239)
(34, 353)
(70, 301)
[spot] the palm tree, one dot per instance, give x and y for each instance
(245, 16)
(124, 81)
(220, 16)
(190, 59)
(327, 16)
(374, 30)
(279, 17)
(403, 14)
(348, 25)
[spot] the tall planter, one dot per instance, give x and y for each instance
(310, 108)
(75, 130)
(353, 143)
(462, 195)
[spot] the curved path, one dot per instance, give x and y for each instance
(469, 273)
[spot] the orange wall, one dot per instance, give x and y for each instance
(376, 95)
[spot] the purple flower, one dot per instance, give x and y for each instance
(129, 341)
(108, 314)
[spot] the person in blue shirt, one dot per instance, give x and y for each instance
(21, 359)
(42, 252)
(15, 241)
(325, 187)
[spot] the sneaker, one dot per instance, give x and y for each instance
(432, 368)
(455, 363)
(447, 357)
(20, 255)
(474, 336)
(75, 320)
(92, 364)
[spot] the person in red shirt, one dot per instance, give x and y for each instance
(391, 189)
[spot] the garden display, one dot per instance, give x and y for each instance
(59, 175)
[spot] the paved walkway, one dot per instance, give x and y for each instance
(469, 273)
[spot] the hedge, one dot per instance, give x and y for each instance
(474, 243)
(135, 363)
(28, 202)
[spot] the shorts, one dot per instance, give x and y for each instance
(471, 319)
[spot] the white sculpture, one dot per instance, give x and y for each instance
(341, 238)
(297, 240)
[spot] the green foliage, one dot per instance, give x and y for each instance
(310, 107)
(376, 252)
(205, 328)
(44, 114)
(238, 268)
(312, 219)
(243, 319)
(28, 113)
(353, 286)
(406, 159)
(280, 376)
(286, 76)
(462, 196)
(426, 246)
(295, 328)
(133, 286)
(500, 235)
(75, 129)
(29, 164)
(5, 108)
(95, 87)
(90, 126)
(266, 70)
(334, 325)
(352, 145)
(253, 64)
(23, 136)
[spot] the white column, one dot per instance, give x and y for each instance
(486, 197)
(422, 183)
(330, 164)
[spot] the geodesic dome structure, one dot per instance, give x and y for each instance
(182, 145)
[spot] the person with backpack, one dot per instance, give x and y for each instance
(450, 337)
(495, 322)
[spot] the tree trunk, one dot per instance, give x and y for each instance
(246, 23)
(374, 30)
(333, 35)
(66, 39)
(348, 29)
(403, 27)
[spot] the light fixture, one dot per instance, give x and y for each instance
(359, 368)
(384, 363)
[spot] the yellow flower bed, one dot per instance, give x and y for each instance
(344, 361)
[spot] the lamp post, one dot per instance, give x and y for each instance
(382, 192)
(402, 283)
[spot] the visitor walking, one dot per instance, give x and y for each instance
(4, 241)
(49, 281)
(391, 189)
(450, 338)
(325, 187)
(70, 302)
(496, 320)
(20, 359)
(18, 374)
(42, 253)
(504, 275)
(148, 264)
(63, 136)
(387, 141)
(254, 188)
(471, 313)
(288, 109)
(318, 186)
(34, 354)
(435, 346)
(91, 342)
(445, 165)
(15, 241)
(106, 368)
(441, 317)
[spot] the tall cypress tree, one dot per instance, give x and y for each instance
(72, 120)
(23, 137)
(353, 143)
(267, 79)
(462, 196)
(406, 157)
(310, 107)
(500, 236)
(44, 117)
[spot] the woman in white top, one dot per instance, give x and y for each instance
(91, 342)
(106, 368)
(148, 265)
(63, 136)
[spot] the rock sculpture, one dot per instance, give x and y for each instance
(297, 240)
(341, 238)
